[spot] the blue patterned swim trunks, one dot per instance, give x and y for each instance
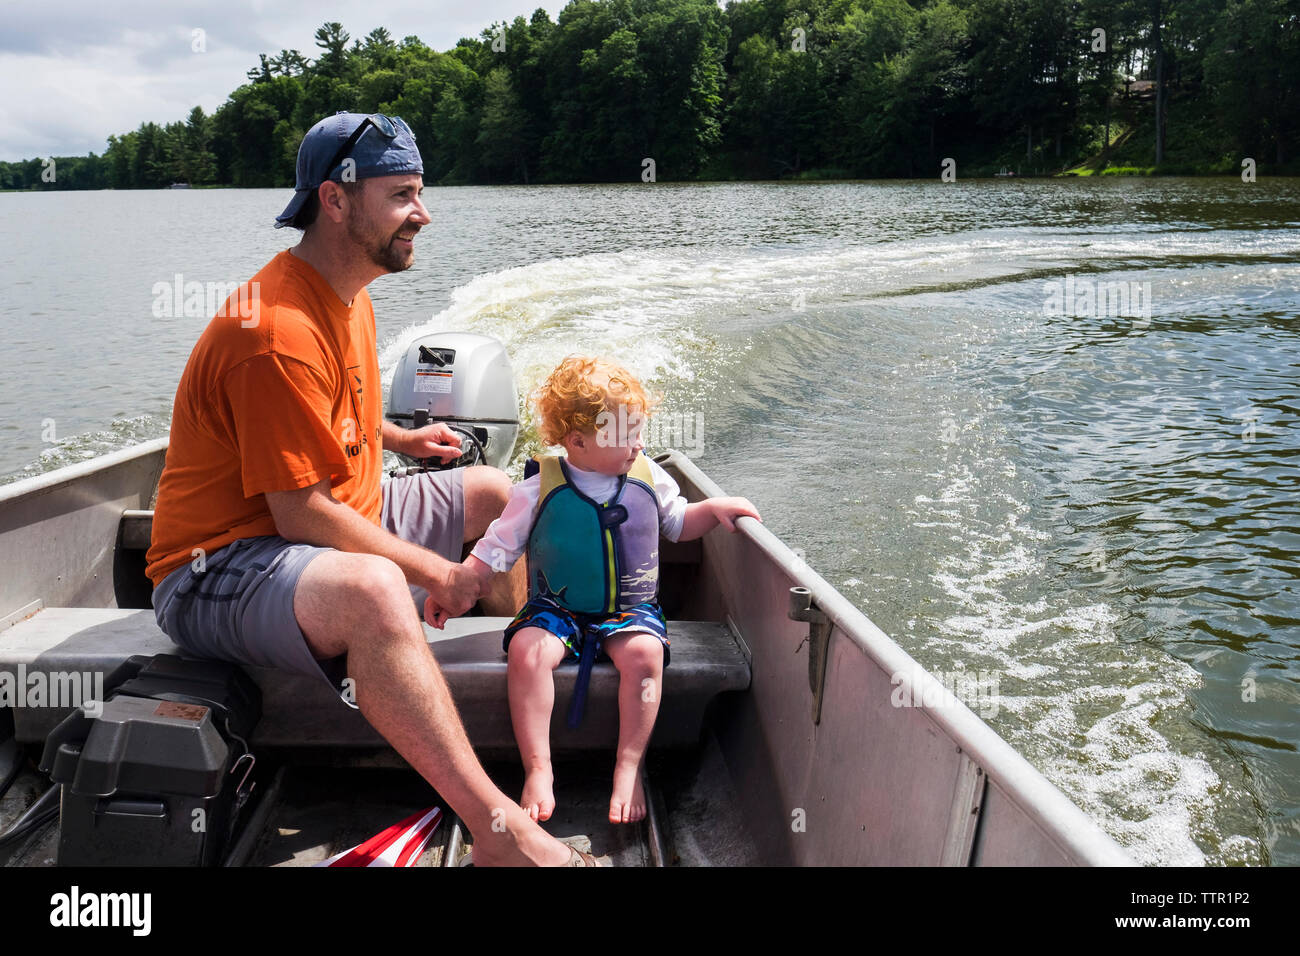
(576, 629)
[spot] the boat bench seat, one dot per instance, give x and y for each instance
(302, 711)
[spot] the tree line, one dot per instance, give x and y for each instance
(763, 89)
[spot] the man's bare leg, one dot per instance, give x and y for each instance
(486, 492)
(508, 592)
(359, 604)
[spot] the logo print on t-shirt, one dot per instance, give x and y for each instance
(355, 449)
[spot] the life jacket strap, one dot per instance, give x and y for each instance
(577, 708)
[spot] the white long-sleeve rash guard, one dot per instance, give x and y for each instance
(506, 538)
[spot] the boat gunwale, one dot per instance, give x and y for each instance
(66, 474)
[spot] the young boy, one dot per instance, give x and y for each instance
(590, 525)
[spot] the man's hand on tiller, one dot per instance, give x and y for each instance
(433, 441)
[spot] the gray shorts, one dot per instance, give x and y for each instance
(240, 606)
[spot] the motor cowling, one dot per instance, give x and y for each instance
(466, 381)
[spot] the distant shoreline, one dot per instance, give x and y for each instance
(1107, 173)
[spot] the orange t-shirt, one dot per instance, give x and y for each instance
(280, 392)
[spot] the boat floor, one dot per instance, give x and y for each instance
(315, 811)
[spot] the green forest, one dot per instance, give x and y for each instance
(764, 89)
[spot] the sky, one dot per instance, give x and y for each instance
(75, 72)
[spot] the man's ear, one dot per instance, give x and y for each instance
(574, 439)
(334, 200)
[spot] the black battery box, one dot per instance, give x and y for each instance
(157, 773)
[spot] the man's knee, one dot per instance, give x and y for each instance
(341, 595)
(487, 490)
(376, 579)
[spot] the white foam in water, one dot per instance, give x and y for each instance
(1149, 794)
(649, 297)
(622, 305)
(84, 446)
(638, 304)
(1116, 766)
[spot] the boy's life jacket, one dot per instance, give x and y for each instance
(594, 558)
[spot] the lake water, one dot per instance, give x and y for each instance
(1092, 498)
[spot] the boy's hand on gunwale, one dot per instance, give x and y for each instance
(727, 510)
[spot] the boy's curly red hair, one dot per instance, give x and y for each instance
(582, 387)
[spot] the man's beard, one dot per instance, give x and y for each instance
(381, 251)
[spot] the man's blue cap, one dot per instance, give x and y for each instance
(374, 155)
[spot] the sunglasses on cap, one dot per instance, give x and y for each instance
(387, 127)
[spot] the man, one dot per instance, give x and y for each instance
(274, 543)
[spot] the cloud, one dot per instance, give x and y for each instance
(95, 69)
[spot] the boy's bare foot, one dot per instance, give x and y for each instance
(627, 803)
(538, 799)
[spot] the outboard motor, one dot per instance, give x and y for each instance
(466, 381)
